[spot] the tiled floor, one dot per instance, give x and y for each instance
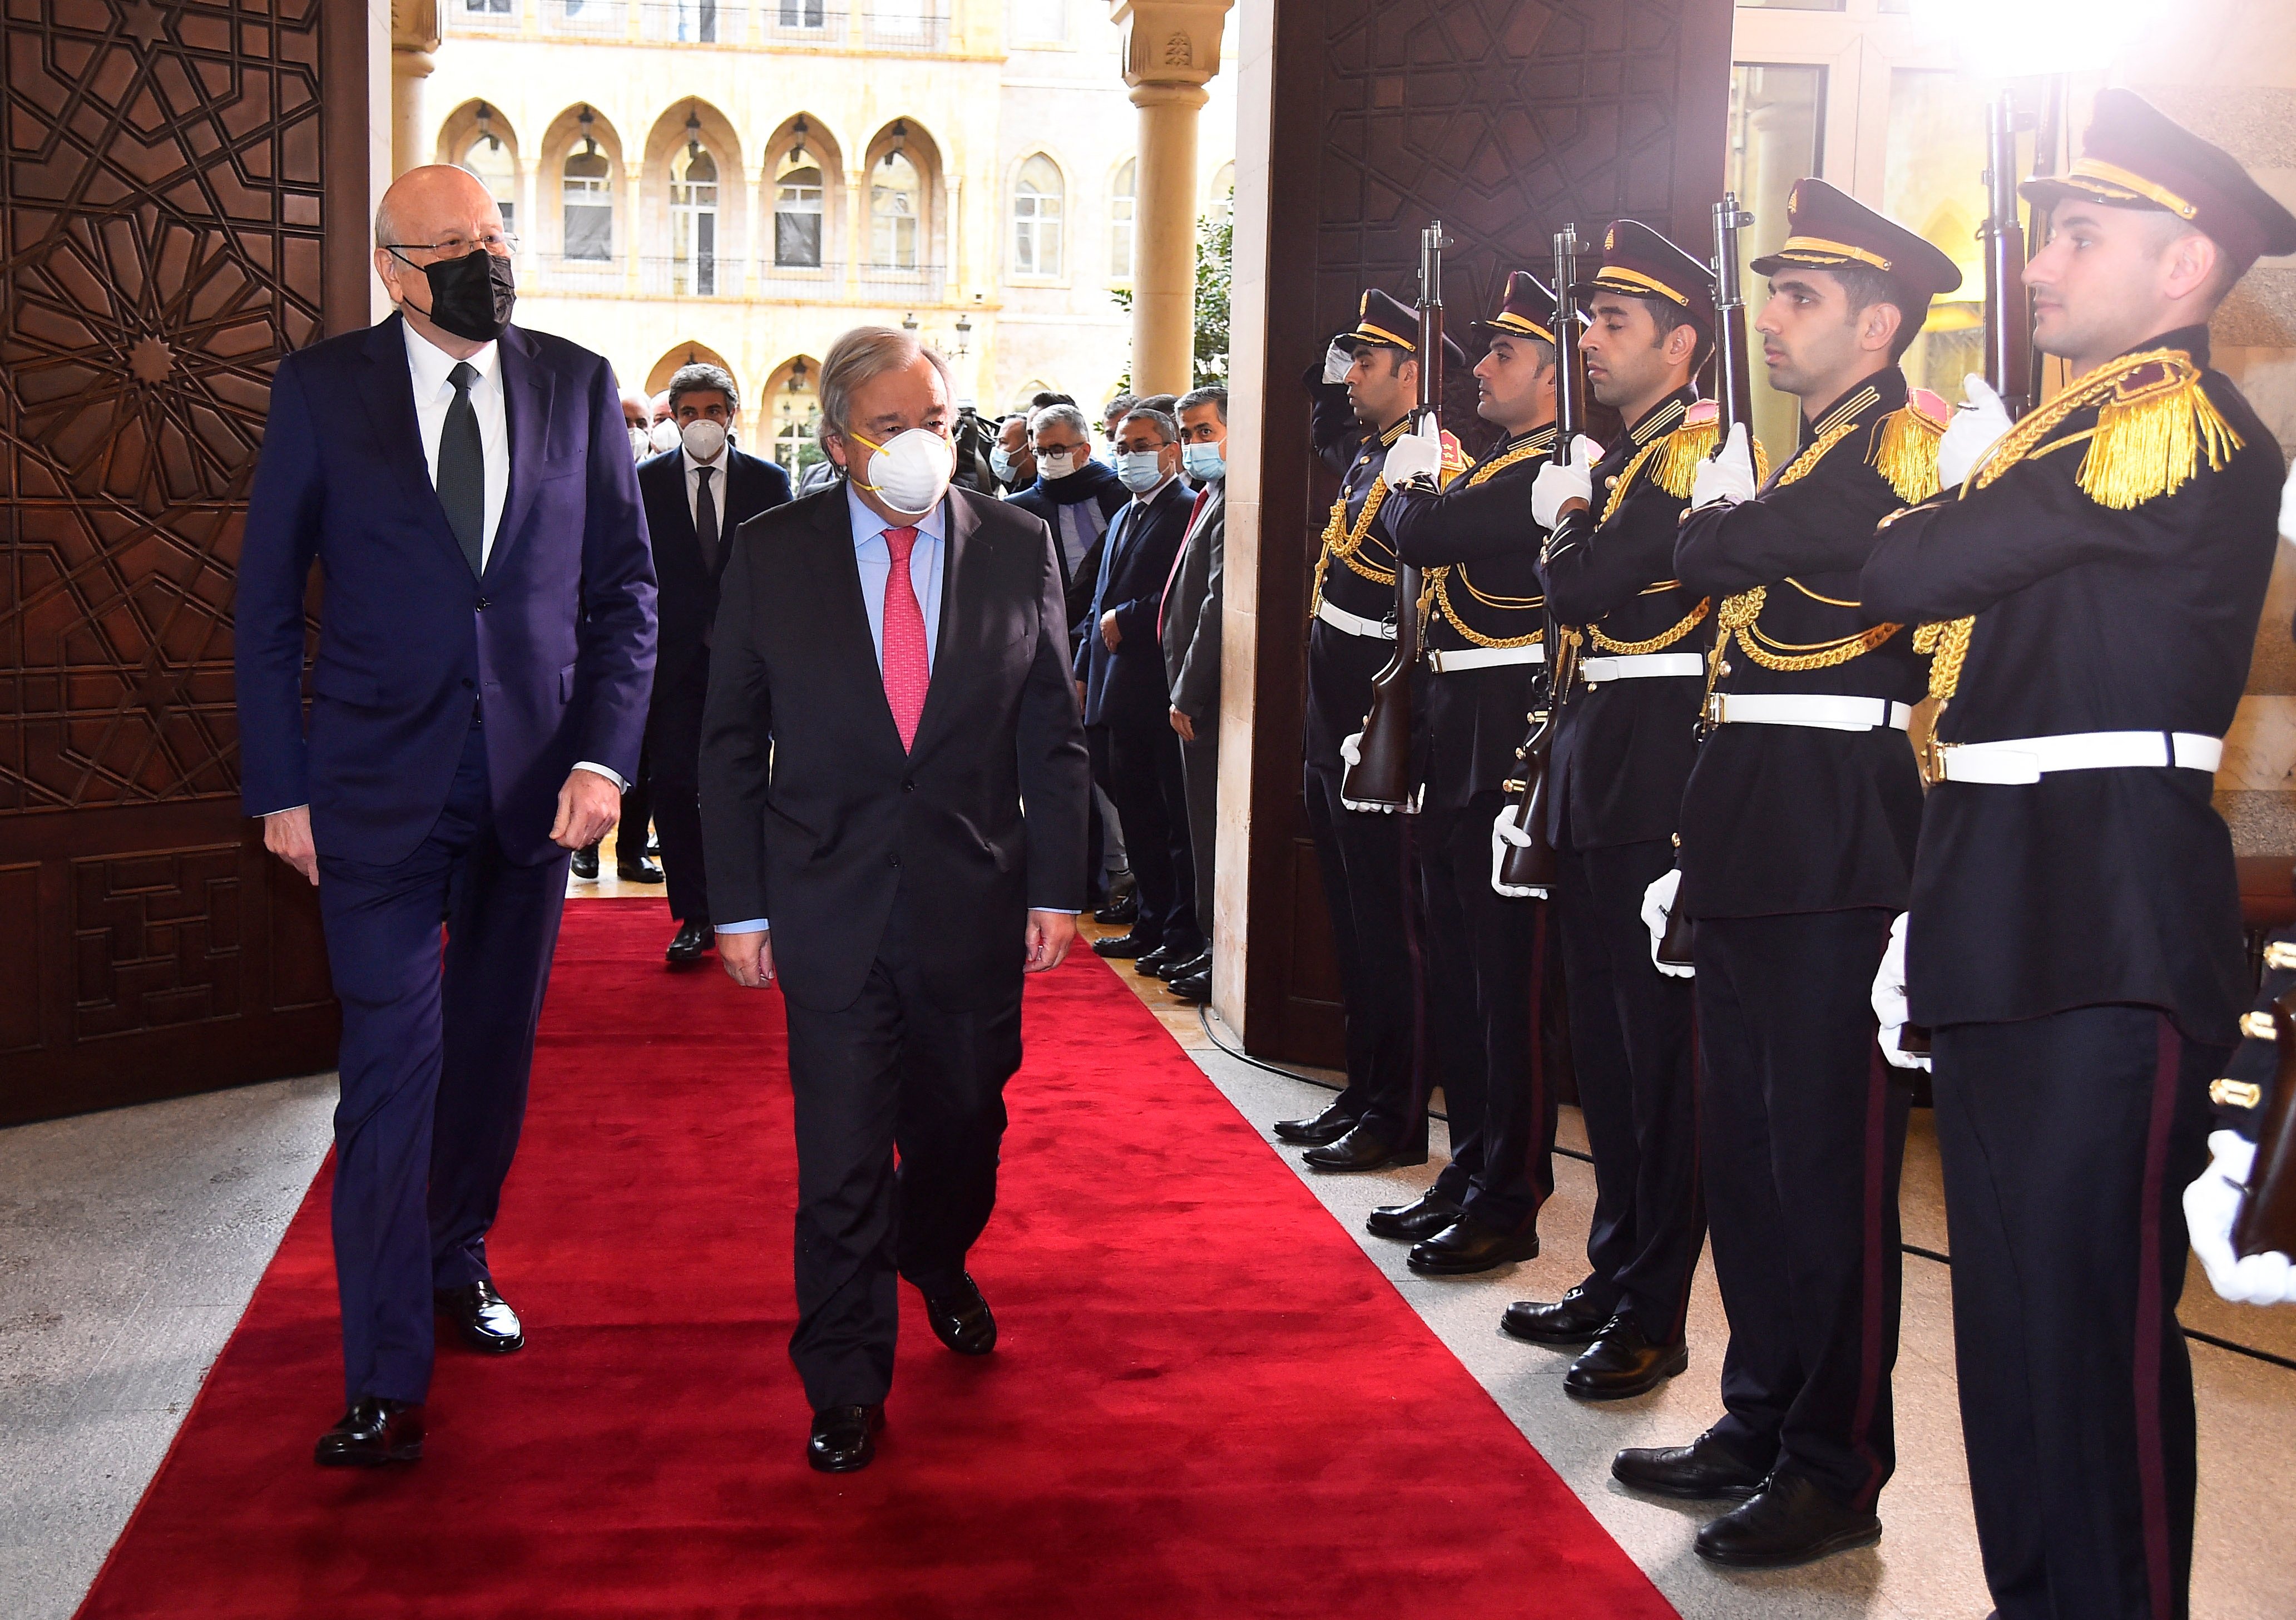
(135, 1238)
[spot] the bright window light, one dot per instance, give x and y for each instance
(2011, 38)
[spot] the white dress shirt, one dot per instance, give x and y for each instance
(431, 366)
(717, 487)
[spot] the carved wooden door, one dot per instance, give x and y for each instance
(183, 192)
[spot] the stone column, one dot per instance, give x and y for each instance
(413, 37)
(1172, 48)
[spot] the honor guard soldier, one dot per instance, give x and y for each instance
(1485, 634)
(2091, 582)
(1381, 1119)
(1621, 752)
(1798, 834)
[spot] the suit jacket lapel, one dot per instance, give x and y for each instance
(528, 392)
(387, 393)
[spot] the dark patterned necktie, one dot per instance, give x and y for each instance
(462, 469)
(705, 522)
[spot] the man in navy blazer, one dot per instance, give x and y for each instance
(1119, 672)
(485, 651)
(695, 497)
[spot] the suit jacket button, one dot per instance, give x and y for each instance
(908, 787)
(893, 862)
(482, 604)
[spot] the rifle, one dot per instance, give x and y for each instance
(2008, 312)
(1733, 383)
(1527, 870)
(1380, 778)
(2267, 1221)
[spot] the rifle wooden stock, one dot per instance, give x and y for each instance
(2267, 1221)
(1380, 778)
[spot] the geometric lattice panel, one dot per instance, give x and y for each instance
(161, 184)
(156, 940)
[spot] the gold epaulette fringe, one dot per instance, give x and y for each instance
(1675, 464)
(2151, 433)
(1906, 453)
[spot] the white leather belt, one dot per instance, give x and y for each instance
(1444, 659)
(1642, 666)
(1350, 624)
(2028, 759)
(1824, 711)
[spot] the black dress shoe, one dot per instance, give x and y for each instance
(1423, 1217)
(481, 1316)
(1118, 947)
(1704, 1470)
(1572, 1319)
(1329, 1126)
(844, 1439)
(960, 1320)
(638, 871)
(694, 942)
(372, 1433)
(1467, 1246)
(585, 864)
(1793, 1521)
(1622, 1364)
(1118, 913)
(1199, 960)
(1368, 1146)
(1196, 987)
(1148, 963)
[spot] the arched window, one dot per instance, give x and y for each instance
(1221, 204)
(693, 220)
(1037, 219)
(489, 159)
(896, 205)
(796, 215)
(588, 192)
(1123, 202)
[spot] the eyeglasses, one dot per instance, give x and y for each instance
(502, 243)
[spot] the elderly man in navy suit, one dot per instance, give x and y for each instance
(485, 654)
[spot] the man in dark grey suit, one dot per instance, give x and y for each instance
(1189, 627)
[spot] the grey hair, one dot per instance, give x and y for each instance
(1119, 404)
(386, 229)
(702, 377)
(1164, 426)
(861, 354)
(1065, 415)
(1213, 395)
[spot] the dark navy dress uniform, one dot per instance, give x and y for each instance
(1486, 954)
(1799, 826)
(1621, 753)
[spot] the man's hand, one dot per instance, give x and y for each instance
(1729, 476)
(587, 805)
(1109, 636)
(1081, 699)
(1558, 490)
(1185, 726)
(1417, 454)
(287, 833)
(747, 957)
(2212, 1205)
(1971, 434)
(1049, 935)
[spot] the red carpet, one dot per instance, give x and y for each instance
(1205, 1402)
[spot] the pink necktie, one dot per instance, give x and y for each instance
(906, 672)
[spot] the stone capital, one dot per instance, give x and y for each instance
(1170, 42)
(414, 25)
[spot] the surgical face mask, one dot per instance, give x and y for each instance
(1140, 471)
(471, 296)
(1203, 462)
(1057, 463)
(1000, 463)
(665, 435)
(703, 437)
(641, 442)
(910, 472)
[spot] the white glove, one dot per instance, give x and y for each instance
(1658, 905)
(1556, 483)
(1417, 454)
(2288, 506)
(1351, 749)
(2212, 1205)
(1890, 1000)
(1505, 836)
(1975, 429)
(1729, 476)
(1337, 361)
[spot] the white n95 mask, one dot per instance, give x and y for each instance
(910, 472)
(703, 437)
(665, 435)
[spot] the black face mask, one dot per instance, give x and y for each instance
(471, 296)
